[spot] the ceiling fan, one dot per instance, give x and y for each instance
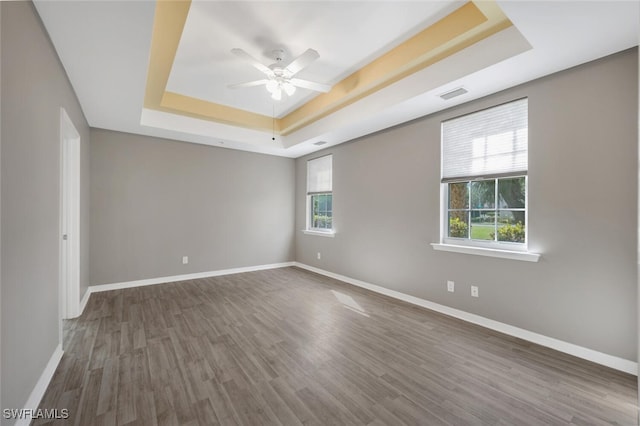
(280, 79)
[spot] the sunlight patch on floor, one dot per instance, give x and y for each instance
(349, 303)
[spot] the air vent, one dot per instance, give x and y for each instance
(453, 93)
(320, 143)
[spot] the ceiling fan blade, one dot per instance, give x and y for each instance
(318, 87)
(248, 84)
(301, 62)
(253, 61)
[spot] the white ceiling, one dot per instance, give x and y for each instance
(104, 47)
(204, 65)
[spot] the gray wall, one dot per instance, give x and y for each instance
(156, 200)
(582, 212)
(34, 87)
(1, 209)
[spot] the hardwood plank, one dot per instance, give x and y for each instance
(205, 415)
(293, 402)
(246, 406)
(221, 403)
(282, 412)
(107, 400)
(145, 407)
(89, 399)
(126, 411)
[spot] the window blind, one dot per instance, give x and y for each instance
(488, 143)
(319, 175)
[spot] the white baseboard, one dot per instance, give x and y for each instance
(41, 386)
(85, 299)
(550, 342)
(174, 278)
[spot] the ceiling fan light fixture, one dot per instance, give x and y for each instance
(272, 85)
(289, 88)
(276, 94)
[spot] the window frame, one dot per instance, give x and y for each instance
(490, 244)
(310, 212)
(309, 228)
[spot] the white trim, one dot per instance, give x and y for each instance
(330, 234)
(174, 278)
(41, 386)
(69, 219)
(526, 256)
(611, 361)
(85, 300)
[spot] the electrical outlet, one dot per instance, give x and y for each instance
(474, 291)
(319, 256)
(185, 260)
(450, 286)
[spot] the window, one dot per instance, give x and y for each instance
(488, 210)
(319, 195)
(484, 177)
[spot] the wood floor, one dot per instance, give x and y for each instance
(289, 347)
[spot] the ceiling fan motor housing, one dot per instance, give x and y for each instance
(278, 54)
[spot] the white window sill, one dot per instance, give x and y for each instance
(329, 234)
(482, 251)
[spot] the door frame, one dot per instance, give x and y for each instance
(69, 303)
